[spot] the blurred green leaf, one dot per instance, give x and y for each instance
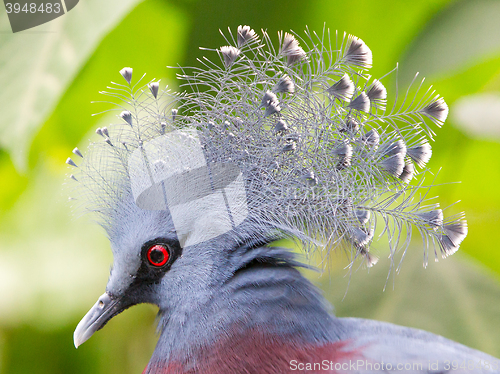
(68, 260)
(38, 65)
(478, 115)
(148, 39)
(388, 27)
(458, 54)
(12, 184)
(124, 347)
(478, 169)
(385, 25)
(460, 37)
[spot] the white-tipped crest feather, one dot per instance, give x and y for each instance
(300, 162)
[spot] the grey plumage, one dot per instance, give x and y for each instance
(126, 116)
(70, 162)
(285, 84)
(77, 152)
(454, 234)
(371, 138)
(280, 126)
(343, 89)
(345, 154)
(245, 35)
(436, 110)
(193, 187)
(357, 53)
(174, 114)
(433, 217)
(229, 54)
(127, 74)
(361, 103)
(420, 153)
(408, 172)
(291, 49)
(268, 98)
(154, 87)
(377, 94)
(351, 125)
(393, 158)
(363, 216)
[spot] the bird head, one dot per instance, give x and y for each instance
(264, 143)
(167, 228)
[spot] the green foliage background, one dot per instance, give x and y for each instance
(53, 266)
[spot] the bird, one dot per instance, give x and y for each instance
(263, 142)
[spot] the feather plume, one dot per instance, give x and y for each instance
(320, 169)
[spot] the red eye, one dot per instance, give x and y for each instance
(158, 255)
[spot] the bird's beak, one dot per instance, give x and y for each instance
(106, 308)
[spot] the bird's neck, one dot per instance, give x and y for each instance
(265, 300)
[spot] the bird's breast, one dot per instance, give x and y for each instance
(260, 353)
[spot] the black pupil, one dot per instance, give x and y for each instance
(157, 256)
